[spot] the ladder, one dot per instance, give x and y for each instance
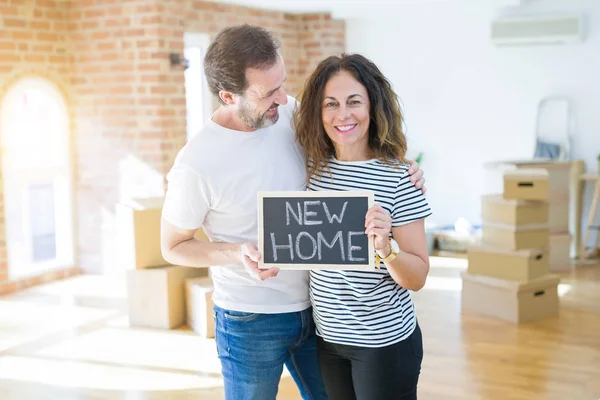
(583, 254)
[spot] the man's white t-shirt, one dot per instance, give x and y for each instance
(213, 185)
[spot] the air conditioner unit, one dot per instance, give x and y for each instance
(561, 29)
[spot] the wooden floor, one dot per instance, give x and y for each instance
(71, 340)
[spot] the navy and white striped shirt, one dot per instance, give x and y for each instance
(367, 308)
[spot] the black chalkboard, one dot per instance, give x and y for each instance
(310, 230)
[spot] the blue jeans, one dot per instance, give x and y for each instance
(254, 347)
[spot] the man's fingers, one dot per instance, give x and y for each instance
(254, 256)
(417, 176)
(252, 268)
(251, 257)
(414, 166)
(251, 262)
(251, 252)
(254, 275)
(420, 183)
(260, 274)
(268, 273)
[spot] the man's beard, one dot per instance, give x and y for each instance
(260, 121)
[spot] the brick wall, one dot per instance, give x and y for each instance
(306, 38)
(128, 104)
(33, 41)
(318, 37)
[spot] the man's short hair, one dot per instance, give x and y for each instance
(234, 50)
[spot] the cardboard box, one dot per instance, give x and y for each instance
(495, 208)
(138, 223)
(515, 302)
(200, 306)
(520, 265)
(558, 216)
(526, 184)
(559, 177)
(560, 252)
(510, 237)
(156, 296)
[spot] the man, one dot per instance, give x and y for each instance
(263, 317)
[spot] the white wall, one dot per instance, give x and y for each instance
(467, 102)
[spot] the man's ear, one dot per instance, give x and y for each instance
(227, 97)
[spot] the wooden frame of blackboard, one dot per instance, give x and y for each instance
(370, 265)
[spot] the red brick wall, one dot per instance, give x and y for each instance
(33, 42)
(318, 37)
(306, 38)
(128, 104)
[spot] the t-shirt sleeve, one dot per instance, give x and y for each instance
(187, 200)
(409, 203)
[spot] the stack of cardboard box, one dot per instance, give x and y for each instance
(200, 306)
(508, 274)
(559, 175)
(560, 209)
(156, 290)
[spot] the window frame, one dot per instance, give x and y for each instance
(64, 219)
(199, 41)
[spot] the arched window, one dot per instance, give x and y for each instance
(37, 178)
(198, 97)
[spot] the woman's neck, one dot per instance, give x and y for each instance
(352, 154)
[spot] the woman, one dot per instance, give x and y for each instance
(350, 123)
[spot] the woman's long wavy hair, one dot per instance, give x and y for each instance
(387, 141)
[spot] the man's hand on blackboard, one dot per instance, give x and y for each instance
(250, 257)
(417, 176)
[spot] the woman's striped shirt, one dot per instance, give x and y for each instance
(367, 308)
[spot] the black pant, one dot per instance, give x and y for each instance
(365, 373)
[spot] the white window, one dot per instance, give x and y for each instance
(37, 178)
(198, 97)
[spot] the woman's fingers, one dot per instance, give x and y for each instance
(378, 222)
(380, 238)
(384, 226)
(376, 209)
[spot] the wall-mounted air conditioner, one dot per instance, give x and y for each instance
(560, 29)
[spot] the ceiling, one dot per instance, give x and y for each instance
(349, 8)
